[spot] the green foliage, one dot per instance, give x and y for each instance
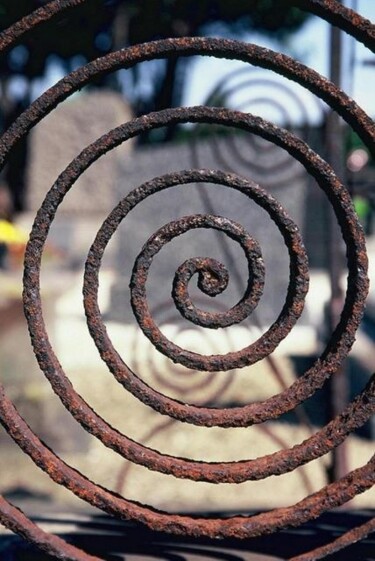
(354, 142)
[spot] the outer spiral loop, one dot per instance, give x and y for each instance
(212, 280)
(302, 388)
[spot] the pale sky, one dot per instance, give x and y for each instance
(310, 46)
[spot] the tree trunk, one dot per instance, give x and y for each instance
(14, 173)
(170, 94)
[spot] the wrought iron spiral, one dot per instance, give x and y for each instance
(212, 279)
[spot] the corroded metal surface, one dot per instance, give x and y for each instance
(348, 538)
(212, 279)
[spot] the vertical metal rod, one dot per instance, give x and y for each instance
(338, 384)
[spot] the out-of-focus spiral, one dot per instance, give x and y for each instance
(248, 153)
(212, 279)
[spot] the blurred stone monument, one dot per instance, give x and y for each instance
(275, 170)
(54, 143)
(59, 138)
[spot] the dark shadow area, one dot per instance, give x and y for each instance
(114, 541)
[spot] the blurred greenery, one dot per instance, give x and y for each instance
(354, 142)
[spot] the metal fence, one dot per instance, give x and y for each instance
(213, 279)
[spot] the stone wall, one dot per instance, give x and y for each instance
(59, 138)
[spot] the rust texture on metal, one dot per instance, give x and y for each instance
(212, 280)
(346, 539)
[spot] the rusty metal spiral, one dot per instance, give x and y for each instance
(213, 278)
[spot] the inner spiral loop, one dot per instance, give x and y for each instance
(213, 279)
(213, 276)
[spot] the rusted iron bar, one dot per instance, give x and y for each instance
(124, 471)
(14, 519)
(220, 48)
(328, 497)
(338, 384)
(13, 34)
(349, 538)
(339, 15)
(252, 353)
(223, 91)
(331, 10)
(213, 278)
(74, 402)
(342, 338)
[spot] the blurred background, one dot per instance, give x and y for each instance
(94, 29)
